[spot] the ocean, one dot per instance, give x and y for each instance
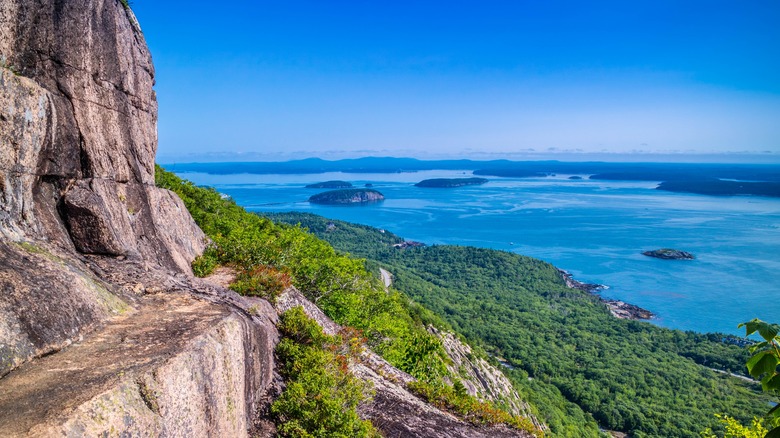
(596, 230)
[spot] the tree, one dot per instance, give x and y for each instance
(763, 365)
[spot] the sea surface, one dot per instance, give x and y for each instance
(594, 229)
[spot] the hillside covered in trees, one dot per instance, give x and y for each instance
(561, 346)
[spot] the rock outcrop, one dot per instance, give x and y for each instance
(103, 329)
(669, 254)
(78, 128)
(483, 380)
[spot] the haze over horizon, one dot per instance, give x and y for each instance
(270, 81)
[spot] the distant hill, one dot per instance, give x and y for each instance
(330, 185)
(723, 188)
(451, 182)
(599, 170)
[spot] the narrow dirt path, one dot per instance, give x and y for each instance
(387, 277)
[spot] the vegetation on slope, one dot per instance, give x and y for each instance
(630, 376)
(321, 396)
(269, 257)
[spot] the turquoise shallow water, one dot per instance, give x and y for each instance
(594, 229)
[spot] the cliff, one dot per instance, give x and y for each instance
(103, 328)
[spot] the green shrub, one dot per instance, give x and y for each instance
(205, 264)
(261, 281)
(321, 395)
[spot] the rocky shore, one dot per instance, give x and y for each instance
(617, 308)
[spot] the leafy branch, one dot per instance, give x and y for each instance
(763, 364)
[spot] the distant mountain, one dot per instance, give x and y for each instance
(450, 182)
(599, 170)
(706, 179)
(330, 185)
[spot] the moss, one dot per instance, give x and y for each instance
(6, 65)
(31, 248)
(111, 302)
(149, 397)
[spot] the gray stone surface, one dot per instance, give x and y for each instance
(81, 115)
(25, 129)
(178, 366)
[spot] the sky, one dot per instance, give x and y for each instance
(266, 81)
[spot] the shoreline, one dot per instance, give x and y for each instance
(619, 309)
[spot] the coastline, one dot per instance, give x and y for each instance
(618, 309)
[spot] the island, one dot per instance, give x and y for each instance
(330, 185)
(669, 254)
(451, 182)
(718, 187)
(347, 196)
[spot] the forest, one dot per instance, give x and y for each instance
(573, 360)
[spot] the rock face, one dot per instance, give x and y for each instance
(102, 327)
(79, 126)
(669, 254)
(347, 196)
(483, 380)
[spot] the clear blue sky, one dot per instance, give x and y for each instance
(272, 80)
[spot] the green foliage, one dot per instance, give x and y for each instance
(575, 362)
(735, 429)
(321, 396)
(205, 263)
(455, 399)
(764, 364)
(125, 4)
(263, 281)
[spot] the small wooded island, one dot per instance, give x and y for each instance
(347, 196)
(669, 254)
(451, 182)
(330, 185)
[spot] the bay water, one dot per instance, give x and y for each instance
(596, 230)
